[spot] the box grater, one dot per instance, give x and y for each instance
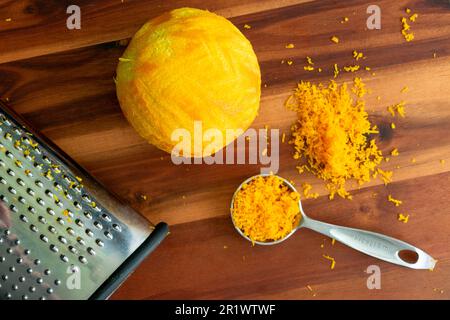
(62, 235)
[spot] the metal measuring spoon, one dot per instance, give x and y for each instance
(373, 244)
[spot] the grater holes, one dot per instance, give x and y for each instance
(31, 192)
(12, 190)
(4, 198)
(73, 249)
(88, 215)
(98, 225)
(20, 182)
(2, 180)
(79, 223)
(9, 154)
(40, 201)
(13, 208)
(38, 166)
(82, 259)
(89, 232)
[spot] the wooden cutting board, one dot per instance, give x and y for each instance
(61, 81)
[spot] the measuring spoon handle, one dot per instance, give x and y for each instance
(373, 244)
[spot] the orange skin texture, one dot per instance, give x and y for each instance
(189, 65)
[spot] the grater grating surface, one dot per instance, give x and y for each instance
(65, 235)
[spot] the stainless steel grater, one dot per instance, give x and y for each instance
(62, 235)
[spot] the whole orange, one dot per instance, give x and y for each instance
(184, 66)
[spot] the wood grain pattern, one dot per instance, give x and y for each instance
(38, 27)
(69, 95)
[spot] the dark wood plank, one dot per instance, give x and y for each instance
(38, 27)
(193, 264)
(70, 97)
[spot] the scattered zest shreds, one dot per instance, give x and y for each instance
(352, 68)
(394, 152)
(332, 135)
(406, 28)
(403, 218)
(333, 262)
(306, 191)
(265, 209)
(246, 26)
(357, 55)
(399, 108)
(335, 39)
(394, 201)
(290, 46)
(335, 70)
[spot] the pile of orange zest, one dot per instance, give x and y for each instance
(265, 209)
(352, 68)
(394, 201)
(333, 262)
(357, 55)
(394, 152)
(403, 218)
(290, 46)
(335, 39)
(332, 135)
(307, 191)
(399, 108)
